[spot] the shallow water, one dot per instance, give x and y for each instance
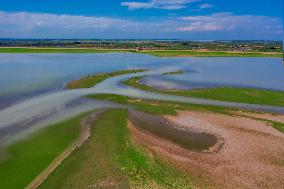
(42, 78)
(27, 73)
(264, 73)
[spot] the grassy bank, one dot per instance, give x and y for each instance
(28, 157)
(91, 80)
(110, 160)
(230, 94)
(59, 50)
(186, 53)
(170, 108)
(158, 53)
(158, 107)
(278, 126)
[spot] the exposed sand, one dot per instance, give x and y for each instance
(252, 155)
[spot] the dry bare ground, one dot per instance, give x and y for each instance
(252, 154)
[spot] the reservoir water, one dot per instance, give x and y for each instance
(33, 95)
(26, 73)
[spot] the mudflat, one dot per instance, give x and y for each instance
(251, 155)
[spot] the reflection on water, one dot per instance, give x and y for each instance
(264, 73)
(164, 82)
(26, 73)
(51, 71)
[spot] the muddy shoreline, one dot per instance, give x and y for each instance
(251, 156)
(191, 139)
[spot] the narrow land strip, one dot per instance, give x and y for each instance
(158, 53)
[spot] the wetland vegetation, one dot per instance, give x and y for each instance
(92, 80)
(25, 159)
(158, 53)
(114, 161)
(231, 94)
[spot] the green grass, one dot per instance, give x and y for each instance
(59, 50)
(92, 80)
(158, 107)
(185, 53)
(109, 156)
(278, 126)
(28, 157)
(230, 94)
(158, 53)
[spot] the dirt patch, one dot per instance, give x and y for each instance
(192, 139)
(251, 157)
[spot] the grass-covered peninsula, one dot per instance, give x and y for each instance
(230, 94)
(91, 80)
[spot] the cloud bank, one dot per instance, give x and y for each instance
(159, 4)
(214, 26)
(227, 22)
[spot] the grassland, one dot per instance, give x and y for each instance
(158, 53)
(91, 80)
(59, 50)
(187, 53)
(25, 159)
(170, 108)
(230, 94)
(158, 107)
(278, 126)
(109, 159)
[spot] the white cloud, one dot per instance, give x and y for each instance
(219, 25)
(33, 20)
(230, 22)
(205, 6)
(159, 4)
(41, 25)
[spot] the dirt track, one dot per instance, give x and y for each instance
(252, 155)
(86, 123)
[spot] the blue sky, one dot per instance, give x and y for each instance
(142, 19)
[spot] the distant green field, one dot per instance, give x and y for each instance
(92, 80)
(178, 53)
(231, 94)
(159, 53)
(28, 157)
(58, 50)
(110, 160)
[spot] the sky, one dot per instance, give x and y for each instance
(142, 19)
